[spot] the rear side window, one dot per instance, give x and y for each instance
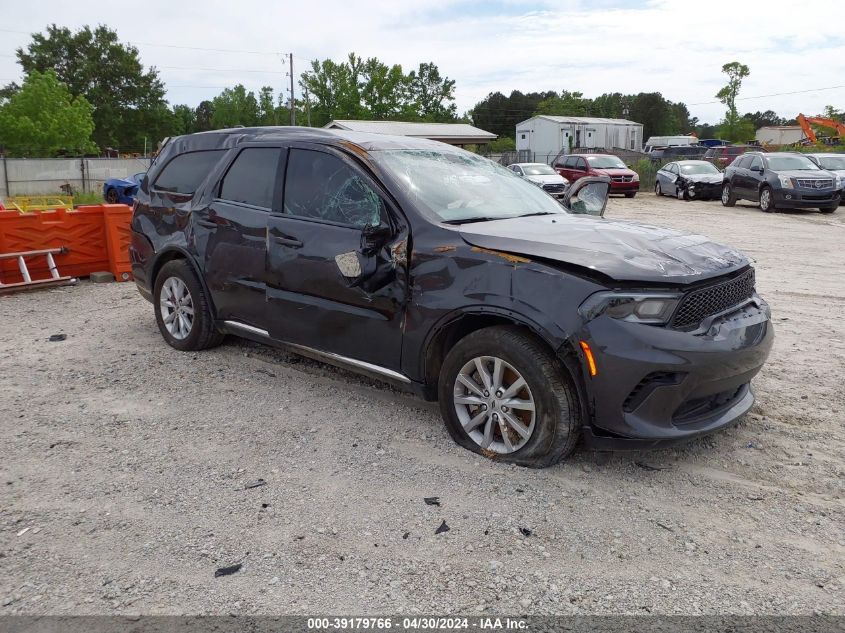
(252, 177)
(185, 173)
(743, 162)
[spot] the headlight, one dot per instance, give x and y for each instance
(655, 308)
(636, 177)
(837, 182)
(785, 182)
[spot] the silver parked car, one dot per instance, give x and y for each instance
(689, 180)
(833, 163)
(543, 176)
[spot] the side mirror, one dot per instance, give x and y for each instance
(588, 196)
(374, 236)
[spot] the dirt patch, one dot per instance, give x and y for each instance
(129, 463)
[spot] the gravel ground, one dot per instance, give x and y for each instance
(124, 466)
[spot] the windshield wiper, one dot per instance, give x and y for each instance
(477, 219)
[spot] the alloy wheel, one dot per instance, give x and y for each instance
(494, 404)
(726, 194)
(657, 189)
(765, 199)
(177, 308)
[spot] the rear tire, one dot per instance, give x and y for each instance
(550, 430)
(658, 191)
(111, 196)
(728, 197)
(183, 312)
(766, 200)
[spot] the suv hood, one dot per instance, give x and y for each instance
(614, 171)
(705, 178)
(803, 173)
(548, 179)
(624, 251)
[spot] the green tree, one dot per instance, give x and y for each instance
(384, 90)
(234, 106)
(184, 119)
(431, 95)
(565, 104)
(733, 127)
(42, 118)
(203, 115)
(499, 114)
(109, 74)
(267, 113)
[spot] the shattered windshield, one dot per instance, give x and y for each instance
(698, 168)
(606, 162)
(457, 186)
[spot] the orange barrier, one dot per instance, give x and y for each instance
(96, 236)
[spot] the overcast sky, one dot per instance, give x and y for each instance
(675, 47)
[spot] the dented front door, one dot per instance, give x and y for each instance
(336, 271)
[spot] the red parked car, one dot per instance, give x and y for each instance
(622, 180)
(724, 156)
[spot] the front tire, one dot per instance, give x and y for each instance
(183, 312)
(828, 209)
(766, 200)
(111, 196)
(728, 197)
(504, 395)
(630, 195)
(658, 191)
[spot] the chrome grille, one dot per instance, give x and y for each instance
(557, 188)
(622, 178)
(814, 183)
(700, 304)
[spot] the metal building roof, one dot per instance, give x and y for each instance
(448, 132)
(582, 119)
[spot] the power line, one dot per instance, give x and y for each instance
(774, 94)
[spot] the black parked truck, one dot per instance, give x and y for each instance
(534, 323)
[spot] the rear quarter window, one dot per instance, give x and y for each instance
(186, 172)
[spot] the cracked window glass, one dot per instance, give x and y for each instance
(458, 186)
(322, 187)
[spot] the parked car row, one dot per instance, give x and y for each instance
(777, 180)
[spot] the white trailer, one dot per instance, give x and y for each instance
(542, 137)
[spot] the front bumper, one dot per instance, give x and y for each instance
(624, 187)
(805, 198)
(655, 385)
(704, 190)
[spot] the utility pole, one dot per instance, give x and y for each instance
(292, 100)
(307, 106)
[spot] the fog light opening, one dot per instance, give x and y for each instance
(588, 354)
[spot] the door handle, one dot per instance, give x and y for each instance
(207, 224)
(287, 241)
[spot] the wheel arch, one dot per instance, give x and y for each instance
(456, 325)
(172, 253)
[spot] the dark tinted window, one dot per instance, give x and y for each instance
(743, 162)
(252, 177)
(755, 161)
(570, 162)
(323, 187)
(186, 172)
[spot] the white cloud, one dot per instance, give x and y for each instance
(676, 48)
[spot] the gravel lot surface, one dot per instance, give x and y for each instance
(124, 466)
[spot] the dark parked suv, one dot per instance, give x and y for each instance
(781, 180)
(534, 324)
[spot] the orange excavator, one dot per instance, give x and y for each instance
(805, 121)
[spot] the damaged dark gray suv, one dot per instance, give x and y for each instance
(534, 324)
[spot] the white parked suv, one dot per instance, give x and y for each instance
(543, 176)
